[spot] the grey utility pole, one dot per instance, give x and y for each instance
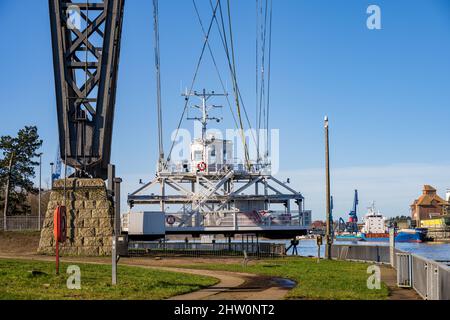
(117, 182)
(328, 192)
(5, 210)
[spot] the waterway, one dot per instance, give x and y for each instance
(431, 250)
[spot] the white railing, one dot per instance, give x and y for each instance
(430, 279)
(236, 166)
(248, 219)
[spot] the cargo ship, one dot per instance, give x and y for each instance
(374, 230)
(402, 235)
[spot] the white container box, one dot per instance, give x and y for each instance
(146, 223)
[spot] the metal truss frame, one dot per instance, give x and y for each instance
(203, 195)
(86, 68)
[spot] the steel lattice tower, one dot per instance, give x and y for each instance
(86, 48)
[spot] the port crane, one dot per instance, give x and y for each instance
(56, 172)
(352, 224)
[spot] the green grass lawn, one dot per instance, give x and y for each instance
(337, 280)
(17, 282)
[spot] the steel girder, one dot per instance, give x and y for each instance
(86, 48)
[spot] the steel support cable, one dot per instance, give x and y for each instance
(265, 88)
(262, 101)
(259, 32)
(193, 80)
(158, 77)
(222, 33)
(269, 76)
(257, 80)
(215, 64)
(235, 85)
(263, 66)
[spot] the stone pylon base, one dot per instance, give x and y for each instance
(89, 219)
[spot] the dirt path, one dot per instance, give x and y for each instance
(237, 286)
(231, 286)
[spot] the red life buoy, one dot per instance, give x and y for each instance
(171, 220)
(201, 166)
(60, 224)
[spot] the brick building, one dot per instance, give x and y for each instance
(428, 205)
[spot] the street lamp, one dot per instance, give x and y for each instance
(329, 238)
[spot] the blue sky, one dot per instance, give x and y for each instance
(387, 92)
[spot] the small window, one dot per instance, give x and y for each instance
(198, 156)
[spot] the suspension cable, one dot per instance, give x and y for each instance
(158, 78)
(263, 66)
(269, 77)
(193, 80)
(215, 64)
(264, 80)
(222, 33)
(257, 80)
(244, 142)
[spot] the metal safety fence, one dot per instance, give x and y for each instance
(259, 250)
(379, 254)
(20, 223)
(431, 279)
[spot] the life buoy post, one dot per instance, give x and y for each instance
(59, 230)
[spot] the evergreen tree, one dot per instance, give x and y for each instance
(22, 149)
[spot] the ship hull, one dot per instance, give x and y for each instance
(415, 236)
(411, 237)
(350, 237)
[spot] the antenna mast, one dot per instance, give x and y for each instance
(205, 118)
(204, 97)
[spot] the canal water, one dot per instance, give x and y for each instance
(430, 250)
